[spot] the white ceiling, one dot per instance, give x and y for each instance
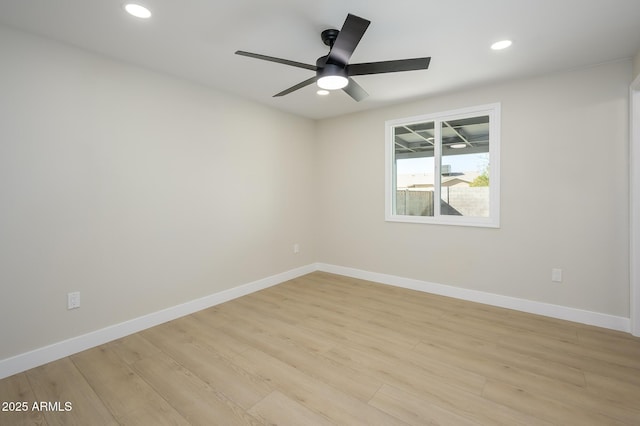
(196, 40)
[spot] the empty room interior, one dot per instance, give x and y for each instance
(309, 213)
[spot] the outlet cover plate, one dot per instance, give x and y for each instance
(73, 300)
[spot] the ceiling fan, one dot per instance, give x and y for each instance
(334, 71)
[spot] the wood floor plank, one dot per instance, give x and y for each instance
(527, 380)
(201, 359)
(314, 364)
(414, 410)
(133, 348)
(573, 356)
(372, 307)
(258, 319)
(465, 401)
(278, 409)
(188, 329)
(439, 339)
(415, 366)
(326, 401)
(621, 344)
(61, 382)
(550, 327)
(150, 415)
(544, 407)
(489, 364)
(613, 390)
(121, 390)
(317, 304)
(194, 399)
(18, 396)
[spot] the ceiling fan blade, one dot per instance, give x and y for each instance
(388, 66)
(354, 90)
(296, 87)
(278, 60)
(350, 35)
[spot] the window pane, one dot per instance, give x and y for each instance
(444, 167)
(464, 187)
(414, 169)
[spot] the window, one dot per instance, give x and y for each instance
(444, 168)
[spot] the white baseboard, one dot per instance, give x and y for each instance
(41, 356)
(549, 310)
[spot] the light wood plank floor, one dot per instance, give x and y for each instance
(325, 349)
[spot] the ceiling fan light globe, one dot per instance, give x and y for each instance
(332, 82)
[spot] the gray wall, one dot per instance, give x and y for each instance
(138, 190)
(564, 195)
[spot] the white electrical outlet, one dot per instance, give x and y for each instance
(296, 248)
(556, 275)
(73, 300)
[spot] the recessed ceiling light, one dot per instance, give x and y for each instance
(322, 92)
(457, 145)
(499, 45)
(137, 10)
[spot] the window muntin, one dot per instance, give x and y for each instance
(452, 157)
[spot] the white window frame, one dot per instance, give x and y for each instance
(493, 220)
